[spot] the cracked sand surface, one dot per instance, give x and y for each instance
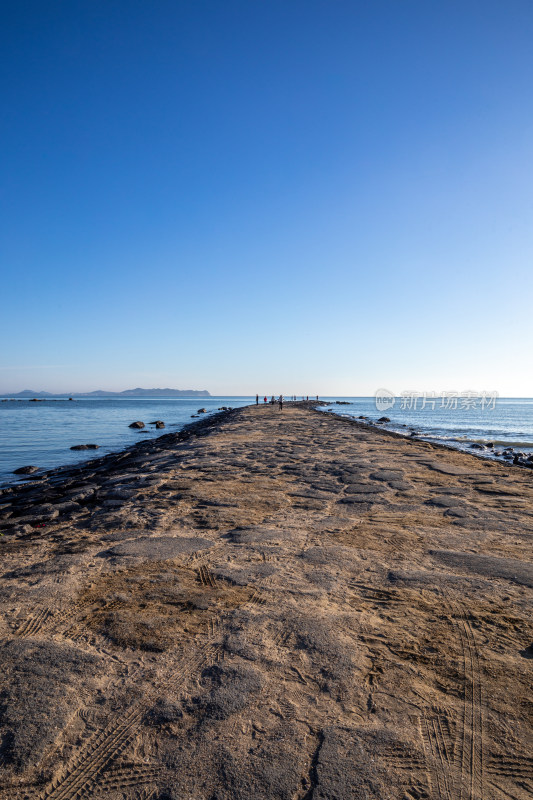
(273, 605)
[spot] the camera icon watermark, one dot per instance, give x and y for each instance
(384, 399)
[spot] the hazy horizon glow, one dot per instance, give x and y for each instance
(310, 198)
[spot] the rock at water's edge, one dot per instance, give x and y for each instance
(25, 470)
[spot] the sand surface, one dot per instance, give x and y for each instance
(274, 605)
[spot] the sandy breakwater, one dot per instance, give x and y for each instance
(270, 604)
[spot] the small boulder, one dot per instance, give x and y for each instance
(137, 424)
(477, 446)
(383, 419)
(85, 447)
(159, 424)
(25, 470)
(202, 411)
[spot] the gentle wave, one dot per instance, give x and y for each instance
(509, 424)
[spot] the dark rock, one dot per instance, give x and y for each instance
(159, 424)
(38, 696)
(25, 470)
(165, 711)
(386, 475)
(230, 688)
(363, 488)
(67, 507)
(456, 511)
(337, 751)
(202, 411)
(527, 652)
(510, 569)
(45, 513)
(158, 548)
(445, 502)
(477, 446)
(137, 424)
(383, 419)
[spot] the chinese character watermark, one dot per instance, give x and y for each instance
(448, 401)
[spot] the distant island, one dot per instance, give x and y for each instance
(126, 393)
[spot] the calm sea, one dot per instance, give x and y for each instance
(506, 423)
(42, 433)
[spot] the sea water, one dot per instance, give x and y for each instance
(505, 422)
(42, 433)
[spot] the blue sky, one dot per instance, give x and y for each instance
(311, 197)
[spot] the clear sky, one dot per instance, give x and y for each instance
(284, 196)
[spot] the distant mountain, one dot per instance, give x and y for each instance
(127, 393)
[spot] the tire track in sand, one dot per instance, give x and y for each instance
(470, 750)
(84, 775)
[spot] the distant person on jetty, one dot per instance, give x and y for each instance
(264, 399)
(257, 399)
(280, 401)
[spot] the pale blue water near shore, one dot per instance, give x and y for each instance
(42, 433)
(508, 424)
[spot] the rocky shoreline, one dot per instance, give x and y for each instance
(504, 454)
(285, 605)
(69, 490)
